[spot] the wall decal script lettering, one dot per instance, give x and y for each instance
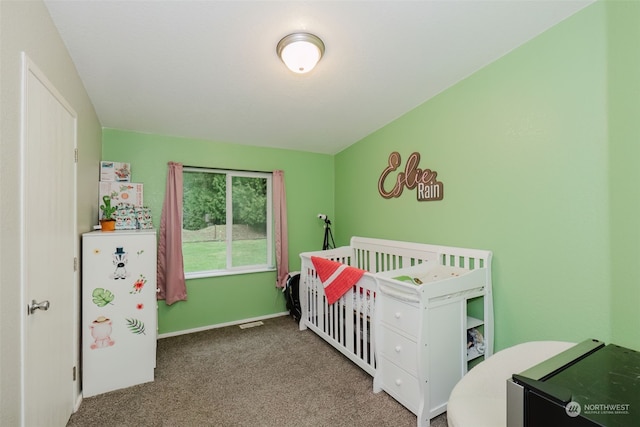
(427, 187)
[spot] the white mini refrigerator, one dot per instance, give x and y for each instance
(119, 309)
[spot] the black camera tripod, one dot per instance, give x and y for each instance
(328, 242)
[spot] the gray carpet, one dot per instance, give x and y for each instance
(270, 375)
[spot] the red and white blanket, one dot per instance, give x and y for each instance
(337, 278)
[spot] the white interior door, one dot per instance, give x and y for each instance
(49, 248)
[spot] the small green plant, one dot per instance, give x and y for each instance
(107, 209)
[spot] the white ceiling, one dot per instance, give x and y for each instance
(209, 69)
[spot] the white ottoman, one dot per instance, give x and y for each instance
(480, 397)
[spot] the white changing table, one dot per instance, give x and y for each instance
(421, 333)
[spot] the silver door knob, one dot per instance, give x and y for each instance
(44, 305)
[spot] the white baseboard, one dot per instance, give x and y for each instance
(221, 325)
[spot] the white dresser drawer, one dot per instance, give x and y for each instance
(398, 383)
(400, 350)
(401, 315)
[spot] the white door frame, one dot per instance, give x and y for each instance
(28, 67)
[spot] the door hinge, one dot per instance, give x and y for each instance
(74, 373)
(75, 155)
(75, 263)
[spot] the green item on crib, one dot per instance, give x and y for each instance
(405, 279)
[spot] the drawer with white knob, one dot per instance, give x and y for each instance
(400, 350)
(398, 383)
(401, 315)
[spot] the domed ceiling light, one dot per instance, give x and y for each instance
(300, 52)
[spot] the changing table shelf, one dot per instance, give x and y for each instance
(472, 322)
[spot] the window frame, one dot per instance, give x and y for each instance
(229, 175)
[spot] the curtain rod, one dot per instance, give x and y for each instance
(225, 169)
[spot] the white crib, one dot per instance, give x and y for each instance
(348, 325)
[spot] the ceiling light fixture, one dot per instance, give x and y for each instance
(300, 52)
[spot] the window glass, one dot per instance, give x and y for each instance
(226, 221)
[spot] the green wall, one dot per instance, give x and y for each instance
(521, 147)
(219, 300)
(624, 155)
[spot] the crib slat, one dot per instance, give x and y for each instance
(349, 308)
(357, 316)
(373, 262)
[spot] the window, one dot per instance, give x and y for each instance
(226, 224)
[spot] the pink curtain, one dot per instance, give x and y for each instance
(171, 282)
(282, 241)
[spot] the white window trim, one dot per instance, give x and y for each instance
(270, 265)
(232, 272)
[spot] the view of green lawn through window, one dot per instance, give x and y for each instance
(205, 256)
